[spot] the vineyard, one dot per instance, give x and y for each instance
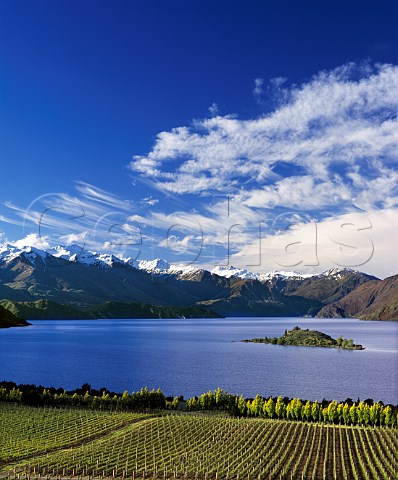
(48, 442)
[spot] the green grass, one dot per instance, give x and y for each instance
(194, 446)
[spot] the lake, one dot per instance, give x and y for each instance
(190, 357)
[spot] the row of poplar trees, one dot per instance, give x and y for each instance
(348, 413)
(295, 409)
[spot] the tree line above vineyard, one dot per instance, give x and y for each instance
(347, 413)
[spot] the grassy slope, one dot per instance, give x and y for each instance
(252, 298)
(374, 300)
(142, 310)
(42, 309)
(8, 319)
(327, 289)
(48, 310)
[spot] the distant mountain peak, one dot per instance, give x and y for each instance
(338, 271)
(82, 255)
(153, 265)
(78, 254)
(229, 271)
(9, 252)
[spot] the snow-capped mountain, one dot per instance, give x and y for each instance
(338, 272)
(78, 254)
(10, 252)
(75, 253)
(81, 255)
(28, 274)
(283, 274)
(230, 271)
(157, 265)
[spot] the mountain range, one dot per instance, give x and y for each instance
(73, 280)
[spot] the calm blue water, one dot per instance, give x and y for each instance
(190, 357)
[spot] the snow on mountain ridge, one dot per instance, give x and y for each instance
(9, 252)
(231, 271)
(78, 254)
(159, 266)
(75, 253)
(337, 272)
(153, 265)
(285, 274)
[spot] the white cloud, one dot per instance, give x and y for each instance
(11, 221)
(258, 87)
(329, 125)
(329, 148)
(277, 82)
(93, 217)
(213, 109)
(273, 93)
(94, 195)
(327, 153)
(180, 245)
(149, 201)
(72, 238)
(361, 240)
(305, 193)
(33, 240)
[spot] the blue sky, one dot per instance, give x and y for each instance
(262, 134)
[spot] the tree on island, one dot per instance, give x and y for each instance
(308, 338)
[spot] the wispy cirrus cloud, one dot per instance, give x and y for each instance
(223, 189)
(340, 122)
(329, 148)
(92, 217)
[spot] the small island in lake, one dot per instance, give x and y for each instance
(308, 338)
